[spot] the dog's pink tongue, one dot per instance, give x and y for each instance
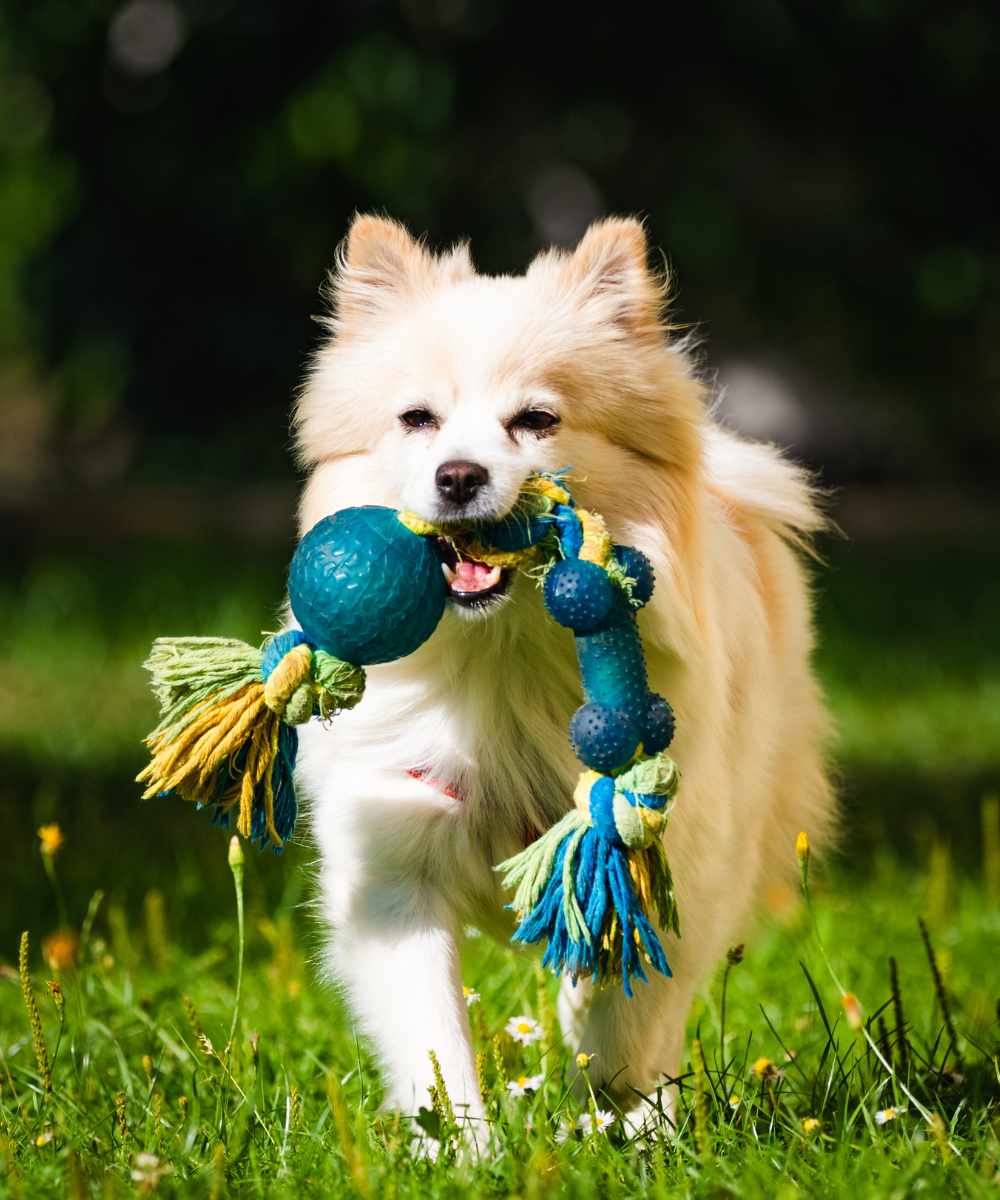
(471, 576)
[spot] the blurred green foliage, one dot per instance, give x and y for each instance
(175, 176)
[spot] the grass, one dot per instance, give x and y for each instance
(162, 1083)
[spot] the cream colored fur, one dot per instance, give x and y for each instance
(485, 703)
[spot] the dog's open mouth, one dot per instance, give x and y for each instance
(471, 583)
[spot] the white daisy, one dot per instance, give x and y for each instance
(471, 996)
(884, 1115)
(524, 1030)
(147, 1171)
(524, 1084)
(600, 1122)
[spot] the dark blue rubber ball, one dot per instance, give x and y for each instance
(364, 587)
(638, 567)
(658, 727)
(579, 594)
(602, 738)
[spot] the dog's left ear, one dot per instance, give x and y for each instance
(380, 262)
(609, 277)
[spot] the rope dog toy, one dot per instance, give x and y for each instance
(366, 587)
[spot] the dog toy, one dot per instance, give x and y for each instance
(365, 586)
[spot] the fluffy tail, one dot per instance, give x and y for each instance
(757, 479)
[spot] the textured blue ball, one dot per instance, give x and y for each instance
(579, 594)
(638, 567)
(658, 727)
(364, 587)
(602, 738)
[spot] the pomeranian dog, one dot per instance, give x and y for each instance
(440, 390)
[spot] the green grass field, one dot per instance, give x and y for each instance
(150, 1093)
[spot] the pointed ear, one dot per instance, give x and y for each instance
(609, 277)
(380, 262)
(375, 262)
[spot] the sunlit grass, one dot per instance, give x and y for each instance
(160, 1084)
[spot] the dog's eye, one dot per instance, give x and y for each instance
(418, 418)
(534, 420)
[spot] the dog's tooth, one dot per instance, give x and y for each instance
(493, 578)
(449, 574)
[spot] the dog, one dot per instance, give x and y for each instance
(440, 390)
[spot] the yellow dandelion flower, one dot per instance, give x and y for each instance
(51, 837)
(60, 950)
(762, 1066)
(810, 1124)
(583, 1060)
(802, 847)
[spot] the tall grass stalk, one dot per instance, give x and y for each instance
(34, 1017)
(939, 989)
(236, 862)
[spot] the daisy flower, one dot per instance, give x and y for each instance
(524, 1084)
(598, 1122)
(884, 1115)
(524, 1030)
(148, 1171)
(471, 996)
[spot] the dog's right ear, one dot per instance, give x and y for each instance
(380, 262)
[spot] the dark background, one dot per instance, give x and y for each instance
(174, 179)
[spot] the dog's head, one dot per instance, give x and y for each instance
(440, 390)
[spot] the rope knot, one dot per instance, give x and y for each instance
(630, 808)
(287, 667)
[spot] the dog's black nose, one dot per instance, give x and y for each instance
(458, 481)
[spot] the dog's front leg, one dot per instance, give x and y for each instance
(396, 954)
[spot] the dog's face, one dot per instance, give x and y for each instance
(453, 387)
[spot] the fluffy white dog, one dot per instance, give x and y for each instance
(440, 390)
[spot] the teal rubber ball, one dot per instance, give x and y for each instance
(602, 738)
(639, 569)
(578, 594)
(364, 587)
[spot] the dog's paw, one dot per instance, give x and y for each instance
(468, 1142)
(651, 1116)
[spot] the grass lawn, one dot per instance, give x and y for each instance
(151, 1094)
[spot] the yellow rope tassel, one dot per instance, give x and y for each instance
(192, 757)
